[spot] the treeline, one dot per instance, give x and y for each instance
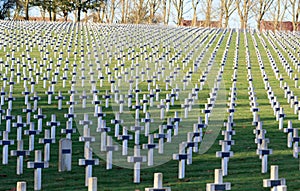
(157, 11)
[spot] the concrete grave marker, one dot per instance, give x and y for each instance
(65, 155)
(158, 183)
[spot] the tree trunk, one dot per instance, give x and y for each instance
(98, 15)
(222, 13)
(65, 15)
(138, 16)
(112, 16)
(179, 18)
(85, 17)
(112, 11)
(283, 13)
(226, 21)
(258, 22)
(194, 7)
(297, 16)
(127, 11)
(43, 13)
(123, 11)
(78, 14)
(102, 15)
(169, 11)
(164, 11)
(294, 15)
(180, 12)
(246, 22)
(26, 10)
(50, 14)
(54, 15)
(194, 21)
(17, 12)
(277, 16)
(242, 23)
(208, 13)
(151, 17)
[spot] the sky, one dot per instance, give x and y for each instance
(233, 21)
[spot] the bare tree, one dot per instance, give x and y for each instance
(279, 11)
(222, 12)
(154, 5)
(178, 5)
(244, 7)
(297, 16)
(295, 11)
(103, 6)
(19, 5)
(262, 7)
(164, 10)
(195, 4)
(5, 7)
(113, 5)
(226, 10)
(26, 8)
(139, 12)
(123, 11)
(208, 12)
(166, 5)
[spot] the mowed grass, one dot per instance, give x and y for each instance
(244, 170)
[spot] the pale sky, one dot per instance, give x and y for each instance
(233, 22)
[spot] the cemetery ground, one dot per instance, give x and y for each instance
(244, 167)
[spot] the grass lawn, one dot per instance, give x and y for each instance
(176, 50)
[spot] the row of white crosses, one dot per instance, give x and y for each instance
(182, 156)
(225, 152)
(292, 44)
(92, 184)
(278, 110)
(290, 51)
(292, 133)
(262, 142)
(192, 143)
(280, 39)
(292, 99)
(274, 182)
(288, 93)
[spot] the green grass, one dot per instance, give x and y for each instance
(244, 168)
